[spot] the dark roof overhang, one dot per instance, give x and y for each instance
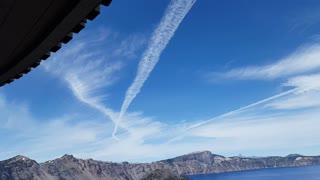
(31, 29)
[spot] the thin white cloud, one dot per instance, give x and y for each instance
(305, 83)
(89, 67)
(170, 22)
(305, 59)
(86, 138)
(306, 96)
(265, 126)
(305, 93)
(30, 136)
(10, 119)
(297, 101)
(83, 90)
(277, 133)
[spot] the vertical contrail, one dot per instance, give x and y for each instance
(169, 23)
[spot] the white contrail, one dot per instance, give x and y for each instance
(169, 23)
(243, 108)
(235, 111)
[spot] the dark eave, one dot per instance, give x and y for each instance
(31, 29)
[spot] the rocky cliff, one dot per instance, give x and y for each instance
(71, 168)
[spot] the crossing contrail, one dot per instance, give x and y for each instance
(234, 112)
(243, 108)
(161, 36)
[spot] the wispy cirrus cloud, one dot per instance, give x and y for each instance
(299, 68)
(307, 94)
(85, 138)
(267, 133)
(37, 138)
(305, 83)
(89, 70)
(278, 111)
(297, 101)
(273, 125)
(304, 59)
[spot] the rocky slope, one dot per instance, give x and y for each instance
(163, 174)
(71, 168)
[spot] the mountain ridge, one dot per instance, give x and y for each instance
(69, 167)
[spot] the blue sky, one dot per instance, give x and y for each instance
(232, 77)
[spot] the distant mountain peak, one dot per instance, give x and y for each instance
(199, 152)
(294, 155)
(201, 156)
(20, 158)
(68, 156)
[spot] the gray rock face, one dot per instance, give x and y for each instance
(20, 167)
(163, 174)
(71, 168)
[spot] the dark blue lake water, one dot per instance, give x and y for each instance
(299, 173)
